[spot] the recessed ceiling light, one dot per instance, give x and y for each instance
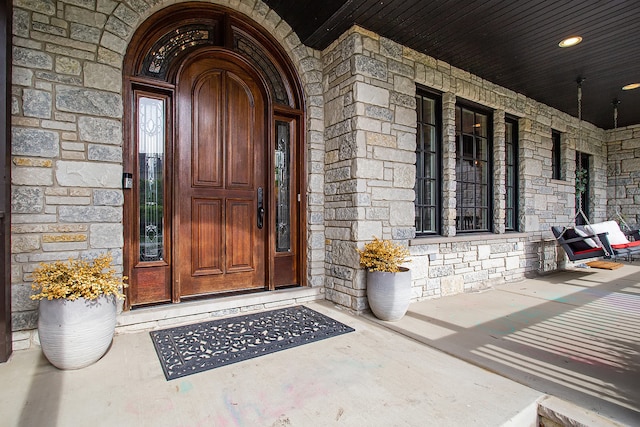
(570, 41)
(631, 86)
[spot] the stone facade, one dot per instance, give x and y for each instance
(623, 186)
(67, 133)
(370, 87)
(67, 137)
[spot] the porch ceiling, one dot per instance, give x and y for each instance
(511, 43)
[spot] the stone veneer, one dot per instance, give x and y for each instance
(370, 86)
(623, 189)
(67, 137)
(67, 133)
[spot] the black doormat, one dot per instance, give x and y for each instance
(186, 350)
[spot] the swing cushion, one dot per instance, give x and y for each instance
(577, 246)
(594, 242)
(634, 244)
(614, 234)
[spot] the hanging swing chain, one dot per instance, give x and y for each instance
(617, 169)
(580, 212)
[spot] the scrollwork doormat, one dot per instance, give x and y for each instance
(189, 349)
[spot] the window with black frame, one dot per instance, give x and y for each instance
(428, 164)
(473, 170)
(556, 155)
(511, 177)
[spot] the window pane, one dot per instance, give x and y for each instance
(482, 221)
(428, 170)
(467, 146)
(480, 125)
(429, 138)
(429, 165)
(428, 111)
(511, 178)
(468, 121)
(473, 171)
(430, 193)
(283, 192)
(151, 158)
(481, 150)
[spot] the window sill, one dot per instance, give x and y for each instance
(471, 237)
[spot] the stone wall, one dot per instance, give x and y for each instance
(623, 186)
(370, 86)
(67, 132)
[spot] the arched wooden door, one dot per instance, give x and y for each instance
(220, 235)
(213, 159)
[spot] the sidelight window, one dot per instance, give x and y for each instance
(151, 183)
(283, 186)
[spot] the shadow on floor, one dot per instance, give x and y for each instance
(574, 335)
(42, 403)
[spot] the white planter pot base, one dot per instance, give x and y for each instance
(75, 334)
(389, 294)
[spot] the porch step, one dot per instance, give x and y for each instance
(162, 316)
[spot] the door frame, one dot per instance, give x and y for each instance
(227, 30)
(5, 185)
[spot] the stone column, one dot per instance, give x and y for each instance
(370, 120)
(499, 171)
(448, 164)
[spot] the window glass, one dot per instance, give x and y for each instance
(511, 178)
(473, 172)
(556, 156)
(428, 161)
(283, 190)
(151, 159)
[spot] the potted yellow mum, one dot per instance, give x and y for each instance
(77, 312)
(388, 283)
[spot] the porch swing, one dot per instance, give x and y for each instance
(604, 239)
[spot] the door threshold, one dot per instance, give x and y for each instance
(161, 316)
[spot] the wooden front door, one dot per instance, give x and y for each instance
(220, 180)
(214, 153)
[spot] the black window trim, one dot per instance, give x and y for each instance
(481, 109)
(516, 175)
(437, 96)
(556, 154)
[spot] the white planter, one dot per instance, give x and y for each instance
(75, 334)
(389, 294)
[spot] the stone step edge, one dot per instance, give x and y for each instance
(155, 317)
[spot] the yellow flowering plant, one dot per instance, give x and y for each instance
(77, 278)
(383, 255)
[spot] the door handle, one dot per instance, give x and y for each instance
(260, 208)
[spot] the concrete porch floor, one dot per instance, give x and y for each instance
(480, 359)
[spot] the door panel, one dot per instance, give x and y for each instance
(240, 122)
(241, 235)
(208, 141)
(221, 147)
(206, 236)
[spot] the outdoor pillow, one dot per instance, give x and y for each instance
(614, 235)
(577, 246)
(591, 242)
